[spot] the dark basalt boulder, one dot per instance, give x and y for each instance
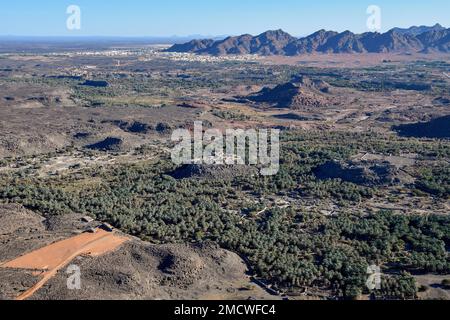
(368, 175)
(96, 83)
(221, 172)
(438, 128)
(81, 135)
(139, 127)
(163, 128)
(109, 144)
(134, 127)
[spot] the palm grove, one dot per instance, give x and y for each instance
(291, 247)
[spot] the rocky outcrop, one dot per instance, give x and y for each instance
(362, 174)
(300, 92)
(109, 144)
(438, 128)
(202, 171)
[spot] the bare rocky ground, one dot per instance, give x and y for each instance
(48, 128)
(432, 287)
(42, 118)
(37, 119)
(137, 270)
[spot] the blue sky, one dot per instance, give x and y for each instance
(211, 17)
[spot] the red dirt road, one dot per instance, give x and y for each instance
(53, 257)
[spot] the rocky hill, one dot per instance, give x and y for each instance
(437, 128)
(298, 93)
(135, 270)
(278, 42)
(368, 174)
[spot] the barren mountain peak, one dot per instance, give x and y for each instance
(279, 42)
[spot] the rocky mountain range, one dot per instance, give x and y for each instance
(416, 30)
(277, 42)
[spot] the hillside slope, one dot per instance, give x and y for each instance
(278, 42)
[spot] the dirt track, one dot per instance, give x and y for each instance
(135, 270)
(53, 257)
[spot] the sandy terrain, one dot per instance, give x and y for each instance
(53, 257)
(433, 285)
(35, 252)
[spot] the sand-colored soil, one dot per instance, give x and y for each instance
(110, 271)
(53, 257)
